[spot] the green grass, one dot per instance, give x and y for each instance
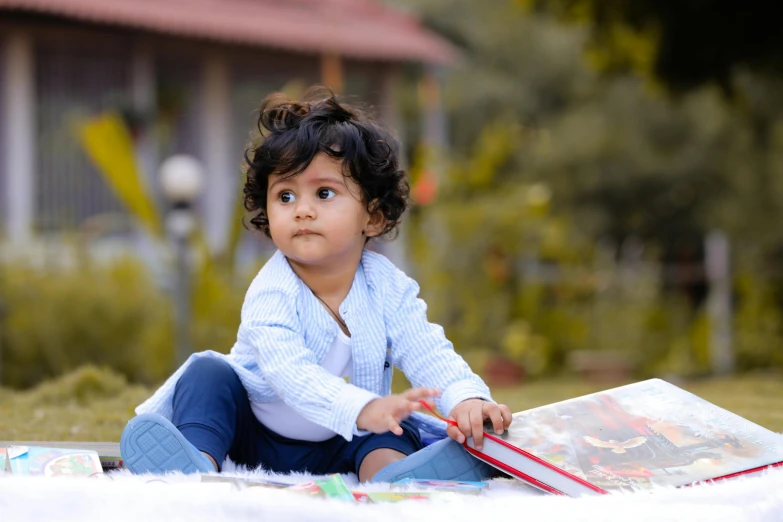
(94, 405)
(88, 405)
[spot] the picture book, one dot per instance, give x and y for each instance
(634, 437)
(108, 452)
(36, 460)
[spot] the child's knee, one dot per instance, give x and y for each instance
(211, 376)
(209, 368)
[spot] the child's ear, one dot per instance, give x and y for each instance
(377, 221)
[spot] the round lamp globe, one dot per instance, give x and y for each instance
(181, 178)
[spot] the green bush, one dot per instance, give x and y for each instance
(218, 295)
(56, 320)
(109, 314)
(81, 386)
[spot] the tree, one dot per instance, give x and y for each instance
(682, 43)
(621, 157)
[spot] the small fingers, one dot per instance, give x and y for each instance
(417, 394)
(394, 426)
(404, 408)
(477, 427)
(463, 422)
(507, 415)
(493, 412)
(460, 428)
(453, 432)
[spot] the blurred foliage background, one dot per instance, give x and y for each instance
(562, 231)
(593, 151)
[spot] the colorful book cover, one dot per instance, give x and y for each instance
(3, 460)
(454, 486)
(332, 486)
(643, 435)
(36, 460)
(108, 452)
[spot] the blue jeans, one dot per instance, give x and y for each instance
(213, 412)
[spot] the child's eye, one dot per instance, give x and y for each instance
(325, 193)
(287, 196)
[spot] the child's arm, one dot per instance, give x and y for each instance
(422, 351)
(270, 327)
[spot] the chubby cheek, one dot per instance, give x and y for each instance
(275, 224)
(275, 232)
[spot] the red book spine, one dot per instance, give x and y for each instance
(515, 472)
(530, 456)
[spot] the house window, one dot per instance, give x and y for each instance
(73, 84)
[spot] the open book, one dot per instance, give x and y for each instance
(638, 436)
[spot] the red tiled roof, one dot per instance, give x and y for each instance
(362, 29)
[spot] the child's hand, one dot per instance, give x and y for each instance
(386, 413)
(469, 416)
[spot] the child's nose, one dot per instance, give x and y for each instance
(304, 209)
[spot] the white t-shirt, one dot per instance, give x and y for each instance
(283, 420)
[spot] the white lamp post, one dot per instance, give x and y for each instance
(181, 180)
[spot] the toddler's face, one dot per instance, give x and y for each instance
(317, 217)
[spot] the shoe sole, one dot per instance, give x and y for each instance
(152, 444)
(443, 460)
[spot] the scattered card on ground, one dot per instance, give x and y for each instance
(332, 486)
(397, 496)
(244, 483)
(452, 486)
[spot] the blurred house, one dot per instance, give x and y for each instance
(187, 75)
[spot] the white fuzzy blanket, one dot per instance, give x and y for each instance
(121, 496)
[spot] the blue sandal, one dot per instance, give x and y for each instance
(442, 460)
(152, 444)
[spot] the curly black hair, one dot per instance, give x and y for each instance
(292, 133)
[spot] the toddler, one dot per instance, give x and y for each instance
(307, 386)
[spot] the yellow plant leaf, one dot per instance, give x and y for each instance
(109, 145)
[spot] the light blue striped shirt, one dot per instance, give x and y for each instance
(285, 333)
